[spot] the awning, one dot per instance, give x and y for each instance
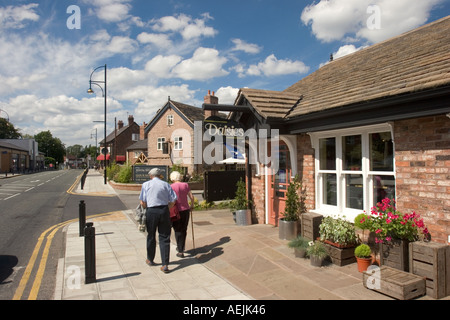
(121, 158)
(102, 157)
(232, 161)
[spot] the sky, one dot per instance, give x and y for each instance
(154, 49)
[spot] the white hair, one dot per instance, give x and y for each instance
(175, 176)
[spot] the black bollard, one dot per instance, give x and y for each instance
(82, 218)
(89, 253)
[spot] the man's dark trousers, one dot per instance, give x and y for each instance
(158, 218)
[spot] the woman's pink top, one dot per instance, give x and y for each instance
(182, 190)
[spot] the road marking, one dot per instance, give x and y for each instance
(43, 262)
(15, 195)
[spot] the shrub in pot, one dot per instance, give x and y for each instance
(299, 245)
(239, 205)
(363, 257)
(294, 207)
(317, 253)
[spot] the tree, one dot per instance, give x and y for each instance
(50, 146)
(7, 130)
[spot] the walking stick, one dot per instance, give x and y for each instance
(192, 227)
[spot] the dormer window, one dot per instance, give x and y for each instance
(170, 120)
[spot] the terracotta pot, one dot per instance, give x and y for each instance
(363, 263)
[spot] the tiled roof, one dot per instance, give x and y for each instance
(270, 104)
(191, 112)
(414, 61)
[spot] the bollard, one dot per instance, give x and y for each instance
(82, 218)
(89, 253)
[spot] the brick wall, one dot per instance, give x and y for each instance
(422, 159)
(162, 130)
(305, 168)
(258, 195)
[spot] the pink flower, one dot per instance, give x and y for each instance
(388, 221)
(388, 238)
(378, 231)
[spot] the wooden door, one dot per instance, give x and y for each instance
(278, 183)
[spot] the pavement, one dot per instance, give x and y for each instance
(224, 261)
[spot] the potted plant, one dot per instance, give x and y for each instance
(299, 245)
(363, 257)
(317, 252)
(239, 205)
(340, 238)
(393, 232)
(295, 206)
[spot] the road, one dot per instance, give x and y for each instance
(33, 211)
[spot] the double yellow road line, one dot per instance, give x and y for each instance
(48, 236)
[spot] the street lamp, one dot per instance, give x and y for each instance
(90, 91)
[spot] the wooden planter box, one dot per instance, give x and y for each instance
(310, 223)
(395, 254)
(394, 283)
(341, 256)
(431, 260)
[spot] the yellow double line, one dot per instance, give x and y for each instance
(43, 262)
(47, 235)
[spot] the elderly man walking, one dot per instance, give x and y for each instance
(157, 197)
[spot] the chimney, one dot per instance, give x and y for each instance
(120, 124)
(210, 99)
(142, 131)
(130, 120)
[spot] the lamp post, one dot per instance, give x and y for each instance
(90, 91)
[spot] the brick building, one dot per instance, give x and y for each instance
(372, 124)
(120, 139)
(173, 125)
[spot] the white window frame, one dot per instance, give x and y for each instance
(340, 209)
(178, 143)
(159, 143)
(170, 120)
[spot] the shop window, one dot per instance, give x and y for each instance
(354, 169)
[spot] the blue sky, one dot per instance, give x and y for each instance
(182, 49)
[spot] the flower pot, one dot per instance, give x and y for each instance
(316, 261)
(300, 252)
(363, 263)
(288, 230)
(395, 254)
(243, 217)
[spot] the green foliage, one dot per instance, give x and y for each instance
(125, 174)
(112, 170)
(298, 242)
(240, 202)
(295, 202)
(363, 251)
(317, 249)
(337, 230)
(8, 131)
(362, 221)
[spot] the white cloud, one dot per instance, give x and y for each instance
(332, 20)
(241, 45)
(227, 95)
(274, 67)
(111, 10)
(186, 26)
(15, 16)
(158, 39)
(204, 64)
(162, 66)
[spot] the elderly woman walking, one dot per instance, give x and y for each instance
(180, 226)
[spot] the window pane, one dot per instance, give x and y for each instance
(383, 187)
(354, 191)
(327, 154)
(381, 152)
(351, 152)
(329, 189)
